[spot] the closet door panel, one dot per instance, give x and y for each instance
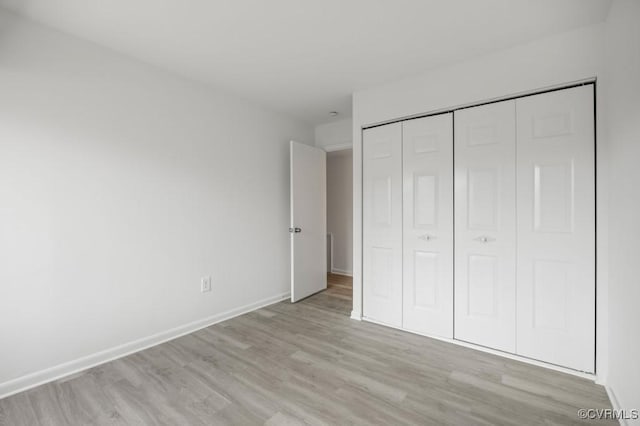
(485, 225)
(382, 224)
(428, 225)
(556, 228)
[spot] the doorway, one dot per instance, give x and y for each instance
(321, 226)
(340, 224)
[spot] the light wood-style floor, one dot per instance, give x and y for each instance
(307, 363)
(341, 287)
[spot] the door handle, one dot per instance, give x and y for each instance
(296, 230)
(426, 237)
(484, 239)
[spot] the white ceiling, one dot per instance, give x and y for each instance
(306, 57)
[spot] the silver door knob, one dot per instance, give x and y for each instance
(296, 230)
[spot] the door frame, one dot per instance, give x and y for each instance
(599, 375)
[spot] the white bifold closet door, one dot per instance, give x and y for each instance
(556, 227)
(428, 225)
(485, 225)
(382, 224)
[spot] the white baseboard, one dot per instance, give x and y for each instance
(38, 378)
(356, 316)
(341, 272)
(615, 404)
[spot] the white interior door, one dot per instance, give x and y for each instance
(382, 224)
(308, 221)
(556, 227)
(428, 225)
(485, 224)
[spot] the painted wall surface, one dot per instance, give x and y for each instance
(120, 186)
(567, 57)
(335, 135)
(622, 108)
(557, 60)
(340, 208)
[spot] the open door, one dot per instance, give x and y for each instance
(308, 221)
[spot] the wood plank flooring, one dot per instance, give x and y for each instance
(341, 287)
(307, 363)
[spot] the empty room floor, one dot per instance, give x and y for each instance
(307, 363)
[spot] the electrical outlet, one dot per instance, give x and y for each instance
(205, 284)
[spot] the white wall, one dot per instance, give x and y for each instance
(622, 100)
(335, 135)
(556, 60)
(120, 186)
(340, 208)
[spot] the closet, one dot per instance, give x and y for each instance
(485, 225)
(427, 225)
(479, 226)
(382, 219)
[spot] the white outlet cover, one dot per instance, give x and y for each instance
(205, 284)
